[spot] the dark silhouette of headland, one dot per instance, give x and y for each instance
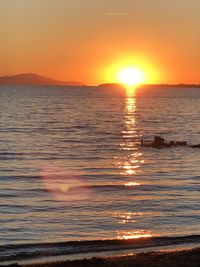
(112, 85)
(35, 79)
(166, 85)
(148, 86)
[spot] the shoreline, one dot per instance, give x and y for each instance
(74, 250)
(186, 257)
(43, 253)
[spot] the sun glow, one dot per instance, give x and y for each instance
(130, 70)
(131, 76)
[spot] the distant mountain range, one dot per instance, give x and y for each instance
(34, 79)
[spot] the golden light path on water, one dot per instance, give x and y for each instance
(135, 235)
(130, 165)
(131, 162)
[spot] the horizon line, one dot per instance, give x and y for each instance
(62, 83)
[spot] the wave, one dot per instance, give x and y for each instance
(97, 186)
(31, 251)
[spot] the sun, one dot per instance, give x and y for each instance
(131, 76)
(129, 71)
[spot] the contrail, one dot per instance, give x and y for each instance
(116, 14)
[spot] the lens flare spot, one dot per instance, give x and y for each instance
(64, 185)
(64, 188)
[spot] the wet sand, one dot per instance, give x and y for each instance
(184, 258)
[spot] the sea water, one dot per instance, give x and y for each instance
(72, 167)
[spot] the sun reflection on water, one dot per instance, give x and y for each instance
(127, 217)
(130, 162)
(132, 184)
(134, 235)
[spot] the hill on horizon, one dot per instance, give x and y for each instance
(34, 79)
(157, 85)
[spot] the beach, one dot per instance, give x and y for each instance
(189, 257)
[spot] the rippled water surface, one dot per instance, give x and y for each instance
(72, 168)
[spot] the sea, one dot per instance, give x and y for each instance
(74, 177)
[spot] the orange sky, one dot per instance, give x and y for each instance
(87, 40)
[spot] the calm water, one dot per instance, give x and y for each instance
(71, 165)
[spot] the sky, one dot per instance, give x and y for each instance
(90, 40)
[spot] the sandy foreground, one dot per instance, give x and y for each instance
(189, 257)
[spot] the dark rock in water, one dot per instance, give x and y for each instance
(166, 145)
(153, 145)
(159, 140)
(158, 143)
(145, 145)
(172, 143)
(196, 146)
(184, 143)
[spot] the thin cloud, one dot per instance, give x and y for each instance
(115, 14)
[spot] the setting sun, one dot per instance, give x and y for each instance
(130, 70)
(131, 76)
